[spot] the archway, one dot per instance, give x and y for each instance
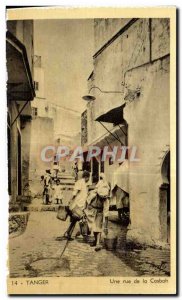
(165, 199)
(9, 153)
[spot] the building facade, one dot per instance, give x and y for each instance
(52, 125)
(130, 83)
(20, 92)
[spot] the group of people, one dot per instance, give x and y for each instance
(52, 189)
(93, 206)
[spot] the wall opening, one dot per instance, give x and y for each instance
(86, 164)
(9, 154)
(95, 170)
(164, 194)
(19, 170)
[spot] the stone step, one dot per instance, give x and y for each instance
(66, 178)
(65, 174)
(67, 183)
(52, 207)
(67, 187)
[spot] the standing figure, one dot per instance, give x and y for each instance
(47, 187)
(56, 170)
(78, 202)
(97, 210)
(58, 192)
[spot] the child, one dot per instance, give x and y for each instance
(58, 193)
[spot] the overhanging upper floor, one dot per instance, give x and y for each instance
(19, 83)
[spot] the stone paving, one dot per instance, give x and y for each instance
(37, 253)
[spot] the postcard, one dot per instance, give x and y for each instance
(91, 141)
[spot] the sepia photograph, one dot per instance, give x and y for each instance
(91, 151)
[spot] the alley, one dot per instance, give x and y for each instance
(37, 253)
(88, 127)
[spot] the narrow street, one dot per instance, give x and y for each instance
(89, 124)
(37, 253)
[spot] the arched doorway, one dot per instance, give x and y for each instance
(9, 153)
(165, 199)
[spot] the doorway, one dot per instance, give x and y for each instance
(86, 164)
(19, 171)
(164, 196)
(95, 170)
(9, 154)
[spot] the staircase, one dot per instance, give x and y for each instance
(67, 181)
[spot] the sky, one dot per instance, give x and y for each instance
(66, 48)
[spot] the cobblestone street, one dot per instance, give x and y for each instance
(90, 160)
(37, 253)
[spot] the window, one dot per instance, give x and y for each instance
(34, 111)
(36, 85)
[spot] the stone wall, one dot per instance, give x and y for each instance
(42, 134)
(23, 30)
(26, 135)
(148, 127)
(160, 37)
(138, 58)
(106, 28)
(144, 41)
(19, 132)
(129, 50)
(13, 165)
